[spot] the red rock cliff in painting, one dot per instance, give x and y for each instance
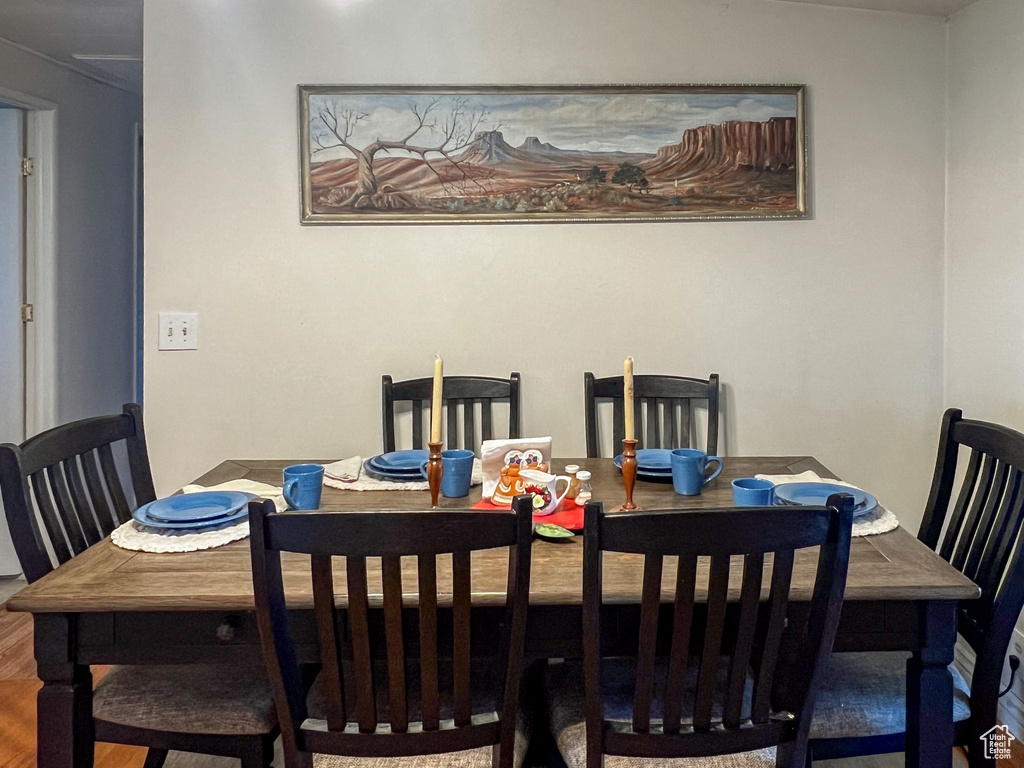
(733, 146)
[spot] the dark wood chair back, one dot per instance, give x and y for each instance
(67, 478)
(461, 393)
(783, 655)
(665, 401)
(979, 533)
(348, 639)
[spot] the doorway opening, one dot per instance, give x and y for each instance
(28, 310)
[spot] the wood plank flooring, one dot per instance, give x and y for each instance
(18, 687)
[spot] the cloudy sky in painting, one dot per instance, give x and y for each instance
(625, 122)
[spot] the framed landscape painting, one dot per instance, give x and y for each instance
(404, 154)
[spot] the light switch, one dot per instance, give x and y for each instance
(179, 330)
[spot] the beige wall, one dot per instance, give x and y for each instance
(827, 332)
(985, 255)
(95, 188)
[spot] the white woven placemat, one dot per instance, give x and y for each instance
(143, 538)
(880, 521)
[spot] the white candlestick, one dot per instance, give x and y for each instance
(435, 405)
(627, 397)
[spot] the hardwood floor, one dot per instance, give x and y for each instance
(18, 687)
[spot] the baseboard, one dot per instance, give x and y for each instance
(1011, 706)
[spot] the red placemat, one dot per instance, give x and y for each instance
(567, 515)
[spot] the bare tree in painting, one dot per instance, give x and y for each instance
(452, 123)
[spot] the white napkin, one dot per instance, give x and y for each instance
(810, 476)
(263, 490)
(881, 520)
(346, 470)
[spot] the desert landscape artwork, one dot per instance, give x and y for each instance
(550, 153)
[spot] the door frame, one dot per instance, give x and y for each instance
(40, 259)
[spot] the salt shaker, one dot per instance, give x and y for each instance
(585, 492)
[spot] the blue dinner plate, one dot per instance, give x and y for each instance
(393, 476)
(650, 460)
(816, 495)
(398, 461)
(191, 507)
(211, 509)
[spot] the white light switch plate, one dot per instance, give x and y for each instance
(179, 330)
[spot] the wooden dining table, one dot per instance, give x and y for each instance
(113, 606)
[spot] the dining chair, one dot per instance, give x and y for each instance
(62, 493)
(862, 704)
(704, 677)
(375, 697)
(461, 393)
(667, 402)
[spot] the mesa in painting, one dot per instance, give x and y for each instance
(551, 153)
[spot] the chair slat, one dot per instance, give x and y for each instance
(778, 602)
(679, 654)
(51, 521)
(391, 573)
(417, 425)
(750, 596)
(638, 423)
(469, 422)
(986, 490)
(80, 501)
(1003, 539)
(461, 592)
(359, 626)
(66, 509)
(684, 423)
(669, 408)
(988, 520)
(718, 593)
(452, 436)
(323, 608)
(485, 421)
(113, 480)
(653, 423)
(960, 508)
(649, 607)
(105, 514)
(430, 704)
(618, 426)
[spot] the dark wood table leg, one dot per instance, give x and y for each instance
(64, 705)
(930, 688)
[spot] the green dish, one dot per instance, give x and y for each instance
(553, 532)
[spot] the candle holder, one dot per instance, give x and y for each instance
(629, 472)
(434, 471)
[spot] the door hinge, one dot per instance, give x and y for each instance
(27, 311)
(27, 167)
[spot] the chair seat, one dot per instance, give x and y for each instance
(864, 694)
(216, 699)
(486, 683)
(564, 686)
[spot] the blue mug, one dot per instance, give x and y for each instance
(753, 492)
(689, 468)
(456, 474)
(303, 484)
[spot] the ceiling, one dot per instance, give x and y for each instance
(99, 37)
(927, 7)
(103, 38)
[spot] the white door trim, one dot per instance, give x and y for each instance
(40, 259)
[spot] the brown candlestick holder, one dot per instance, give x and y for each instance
(435, 468)
(629, 472)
